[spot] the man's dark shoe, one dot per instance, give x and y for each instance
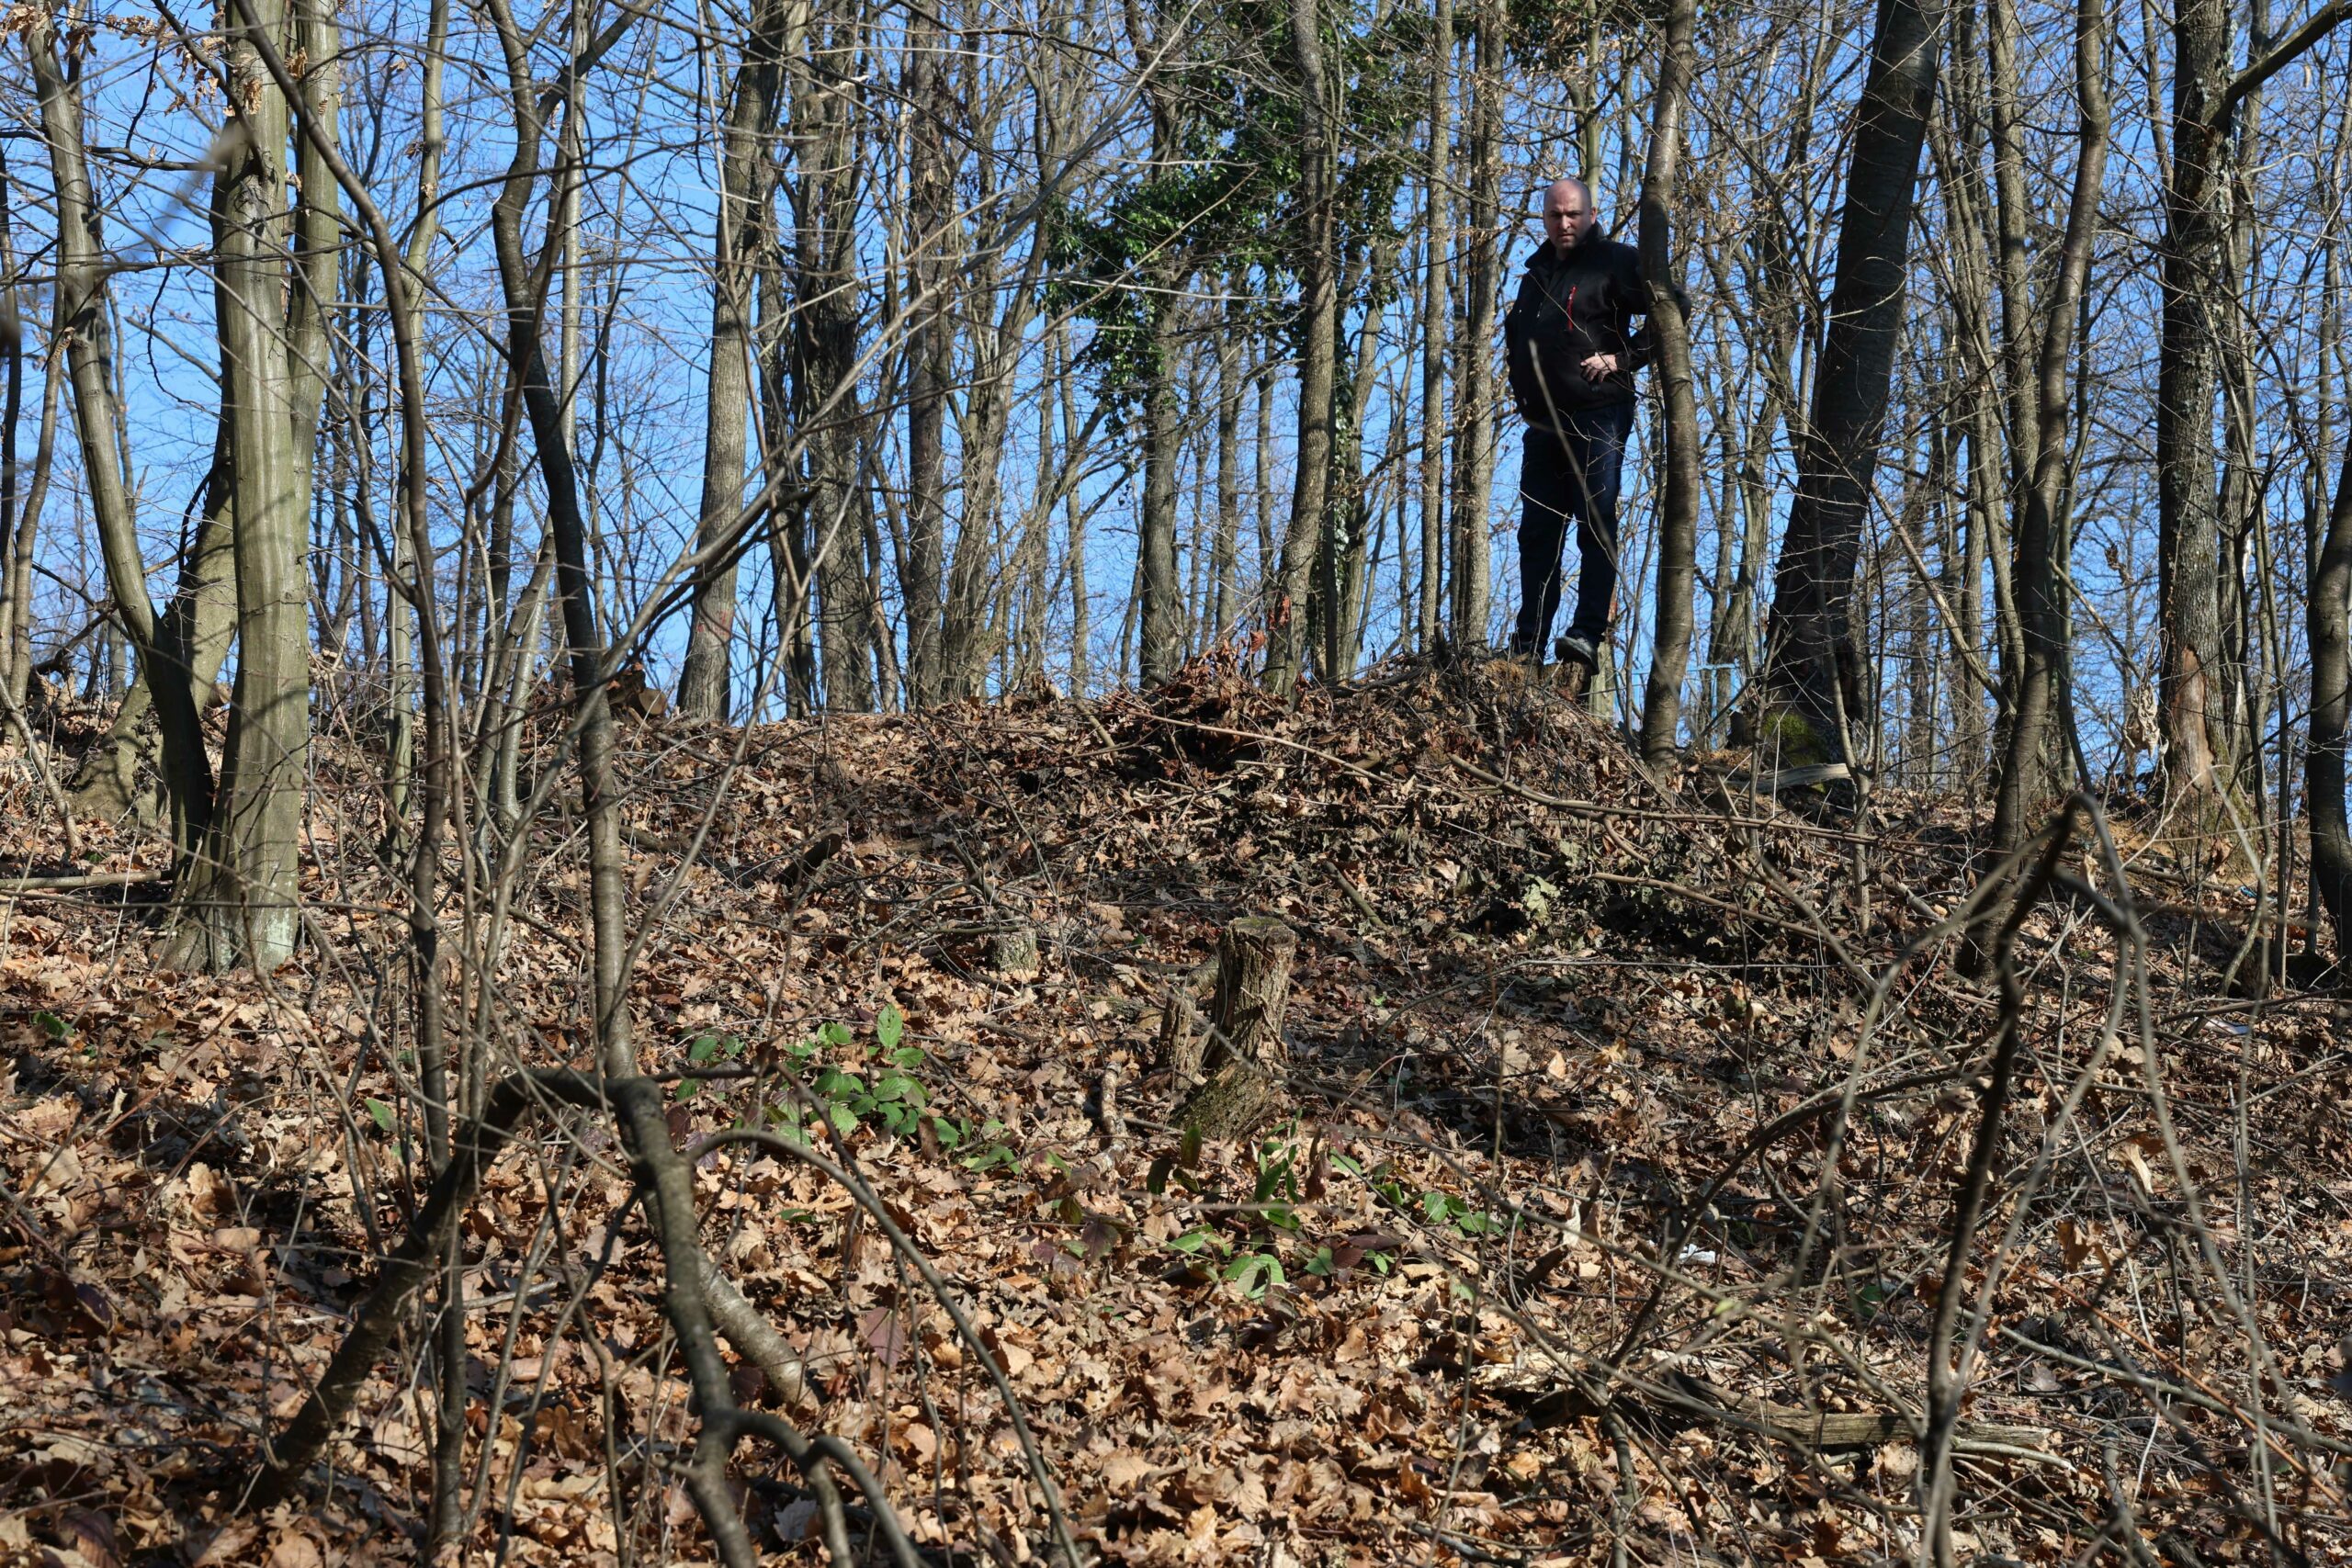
(1521, 652)
(1574, 650)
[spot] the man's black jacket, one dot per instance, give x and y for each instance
(1570, 308)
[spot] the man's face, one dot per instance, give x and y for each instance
(1568, 215)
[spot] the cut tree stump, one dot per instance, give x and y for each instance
(1183, 1035)
(1245, 1060)
(1013, 955)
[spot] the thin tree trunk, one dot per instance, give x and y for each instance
(705, 680)
(82, 317)
(15, 543)
(17, 586)
(1081, 621)
(2326, 611)
(930, 349)
(1473, 467)
(1162, 610)
(1346, 535)
(2015, 215)
(1224, 593)
(399, 615)
(1437, 327)
(2329, 382)
(1670, 329)
(1161, 613)
(1287, 621)
(244, 907)
(2040, 542)
(2193, 718)
(825, 358)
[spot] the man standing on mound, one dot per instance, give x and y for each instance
(1573, 353)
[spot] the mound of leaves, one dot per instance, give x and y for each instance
(1616, 1170)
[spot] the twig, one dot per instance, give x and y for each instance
(855, 1186)
(1946, 1383)
(41, 769)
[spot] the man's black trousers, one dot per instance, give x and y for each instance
(1571, 469)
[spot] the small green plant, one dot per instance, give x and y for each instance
(1254, 1272)
(879, 1086)
(702, 1051)
(1277, 1188)
(982, 1147)
(1445, 1209)
(1330, 1262)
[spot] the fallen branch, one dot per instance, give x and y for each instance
(1683, 1400)
(86, 879)
(405, 1270)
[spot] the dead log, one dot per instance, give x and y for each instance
(1246, 1060)
(1682, 1400)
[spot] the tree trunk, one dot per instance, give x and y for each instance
(16, 542)
(704, 682)
(82, 318)
(1247, 1062)
(2015, 216)
(1437, 327)
(1310, 489)
(788, 537)
(1224, 592)
(1811, 666)
(1473, 463)
(192, 636)
(825, 357)
(2041, 534)
(22, 516)
(2188, 562)
(242, 906)
(1162, 610)
(1082, 622)
(1161, 615)
(930, 354)
(2327, 608)
(1670, 329)
(1347, 537)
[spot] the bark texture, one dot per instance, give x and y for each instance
(1246, 1062)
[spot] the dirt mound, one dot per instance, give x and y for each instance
(1614, 1202)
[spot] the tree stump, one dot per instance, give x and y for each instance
(1013, 955)
(1183, 1032)
(1245, 1060)
(1182, 1042)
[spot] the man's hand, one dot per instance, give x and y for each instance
(1600, 365)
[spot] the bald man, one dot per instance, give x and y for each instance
(1573, 352)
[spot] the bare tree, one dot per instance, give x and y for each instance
(2039, 690)
(704, 680)
(1669, 326)
(1811, 665)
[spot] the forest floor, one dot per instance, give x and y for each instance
(1611, 1221)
